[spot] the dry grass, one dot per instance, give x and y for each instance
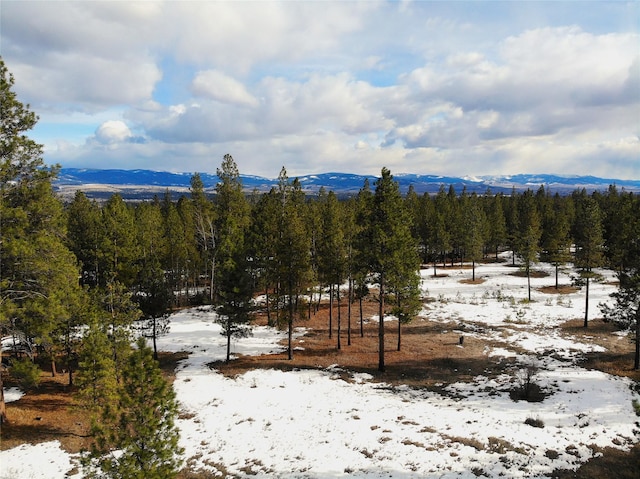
(561, 289)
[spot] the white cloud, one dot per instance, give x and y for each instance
(113, 131)
(220, 87)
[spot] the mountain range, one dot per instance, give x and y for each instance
(143, 184)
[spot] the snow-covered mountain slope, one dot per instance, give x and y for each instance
(145, 183)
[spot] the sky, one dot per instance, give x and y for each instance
(451, 88)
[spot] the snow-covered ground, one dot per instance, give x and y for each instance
(312, 423)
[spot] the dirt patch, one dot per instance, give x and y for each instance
(618, 357)
(430, 353)
(45, 414)
(612, 463)
(472, 281)
(561, 289)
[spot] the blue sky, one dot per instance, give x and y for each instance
(452, 88)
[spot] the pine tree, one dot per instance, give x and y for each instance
(152, 289)
(332, 253)
(38, 274)
(626, 309)
(205, 234)
(589, 245)
(96, 378)
(232, 218)
(474, 222)
(236, 293)
(137, 437)
(176, 255)
(362, 242)
(86, 236)
(497, 223)
(529, 233)
(556, 240)
(233, 277)
(440, 234)
(120, 250)
(393, 250)
(293, 250)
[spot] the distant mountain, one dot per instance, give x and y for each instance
(143, 184)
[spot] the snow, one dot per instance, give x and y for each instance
(12, 394)
(314, 424)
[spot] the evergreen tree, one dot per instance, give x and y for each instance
(137, 437)
(293, 249)
(556, 241)
(86, 236)
(626, 309)
(177, 249)
(497, 223)
(332, 253)
(236, 293)
(589, 245)
(529, 233)
(205, 234)
(474, 223)
(232, 218)
(362, 242)
(234, 280)
(264, 236)
(38, 274)
(96, 376)
(120, 251)
(440, 233)
(393, 249)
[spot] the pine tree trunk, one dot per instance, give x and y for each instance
(330, 311)
(399, 327)
(349, 312)
(361, 319)
(338, 299)
(636, 362)
(290, 329)
(266, 293)
(3, 408)
(586, 305)
(228, 339)
(381, 327)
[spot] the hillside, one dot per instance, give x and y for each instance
(141, 184)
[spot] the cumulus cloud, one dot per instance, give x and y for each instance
(220, 87)
(113, 131)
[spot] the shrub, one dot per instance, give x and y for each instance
(26, 373)
(537, 422)
(527, 389)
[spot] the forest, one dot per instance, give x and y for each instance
(85, 284)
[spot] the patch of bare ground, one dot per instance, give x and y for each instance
(613, 463)
(561, 289)
(472, 281)
(430, 355)
(618, 357)
(45, 414)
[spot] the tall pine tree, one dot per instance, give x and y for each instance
(137, 437)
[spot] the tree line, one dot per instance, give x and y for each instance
(79, 282)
